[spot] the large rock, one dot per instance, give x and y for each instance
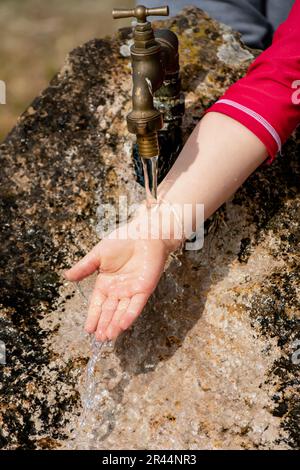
(212, 361)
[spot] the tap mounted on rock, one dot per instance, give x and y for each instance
(157, 101)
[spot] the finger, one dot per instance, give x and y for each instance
(114, 328)
(137, 303)
(94, 310)
(86, 266)
(108, 310)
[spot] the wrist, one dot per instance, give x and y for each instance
(159, 221)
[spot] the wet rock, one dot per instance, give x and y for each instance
(224, 321)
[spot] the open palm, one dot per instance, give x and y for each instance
(129, 271)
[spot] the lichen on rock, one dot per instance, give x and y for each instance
(222, 323)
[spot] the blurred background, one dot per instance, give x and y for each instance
(36, 35)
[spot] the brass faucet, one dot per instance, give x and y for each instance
(155, 62)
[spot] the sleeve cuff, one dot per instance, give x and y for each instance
(253, 121)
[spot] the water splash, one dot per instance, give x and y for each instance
(100, 403)
(99, 407)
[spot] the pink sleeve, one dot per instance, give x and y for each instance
(267, 99)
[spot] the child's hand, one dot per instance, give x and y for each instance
(129, 271)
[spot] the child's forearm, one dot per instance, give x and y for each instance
(217, 158)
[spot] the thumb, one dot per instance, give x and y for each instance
(86, 266)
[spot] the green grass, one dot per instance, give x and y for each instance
(35, 37)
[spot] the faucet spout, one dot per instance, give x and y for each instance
(148, 76)
(155, 75)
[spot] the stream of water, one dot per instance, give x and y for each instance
(98, 407)
(150, 169)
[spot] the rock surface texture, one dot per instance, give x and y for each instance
(212, 363)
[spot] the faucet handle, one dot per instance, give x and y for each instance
(140, 13)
